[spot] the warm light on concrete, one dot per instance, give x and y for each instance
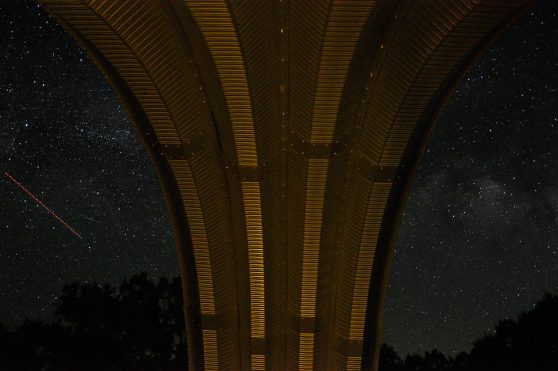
(285, 134)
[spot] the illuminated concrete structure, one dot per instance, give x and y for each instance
(285, 134)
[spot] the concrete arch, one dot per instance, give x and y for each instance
(285, 135)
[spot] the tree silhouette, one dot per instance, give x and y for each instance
(531, 343)
(137, 326)
(528, 344)
(431, 361)
(389, 359)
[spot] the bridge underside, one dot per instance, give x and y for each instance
(285, 133)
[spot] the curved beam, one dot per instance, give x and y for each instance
(285, 137)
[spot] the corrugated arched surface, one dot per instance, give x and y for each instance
(285, 134)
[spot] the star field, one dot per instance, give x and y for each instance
(65, 137)
(478, 240)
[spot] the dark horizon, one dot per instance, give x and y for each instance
(139, 325)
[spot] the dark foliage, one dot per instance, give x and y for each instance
(138, 326)
(389, 359)
(528, 344)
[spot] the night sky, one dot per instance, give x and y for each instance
(65, 137)
(478, 241)
(479, 238)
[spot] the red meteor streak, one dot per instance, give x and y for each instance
(40, 203)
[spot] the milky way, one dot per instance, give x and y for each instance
(479, 238)
(478, 241)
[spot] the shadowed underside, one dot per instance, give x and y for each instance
(285, 134)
